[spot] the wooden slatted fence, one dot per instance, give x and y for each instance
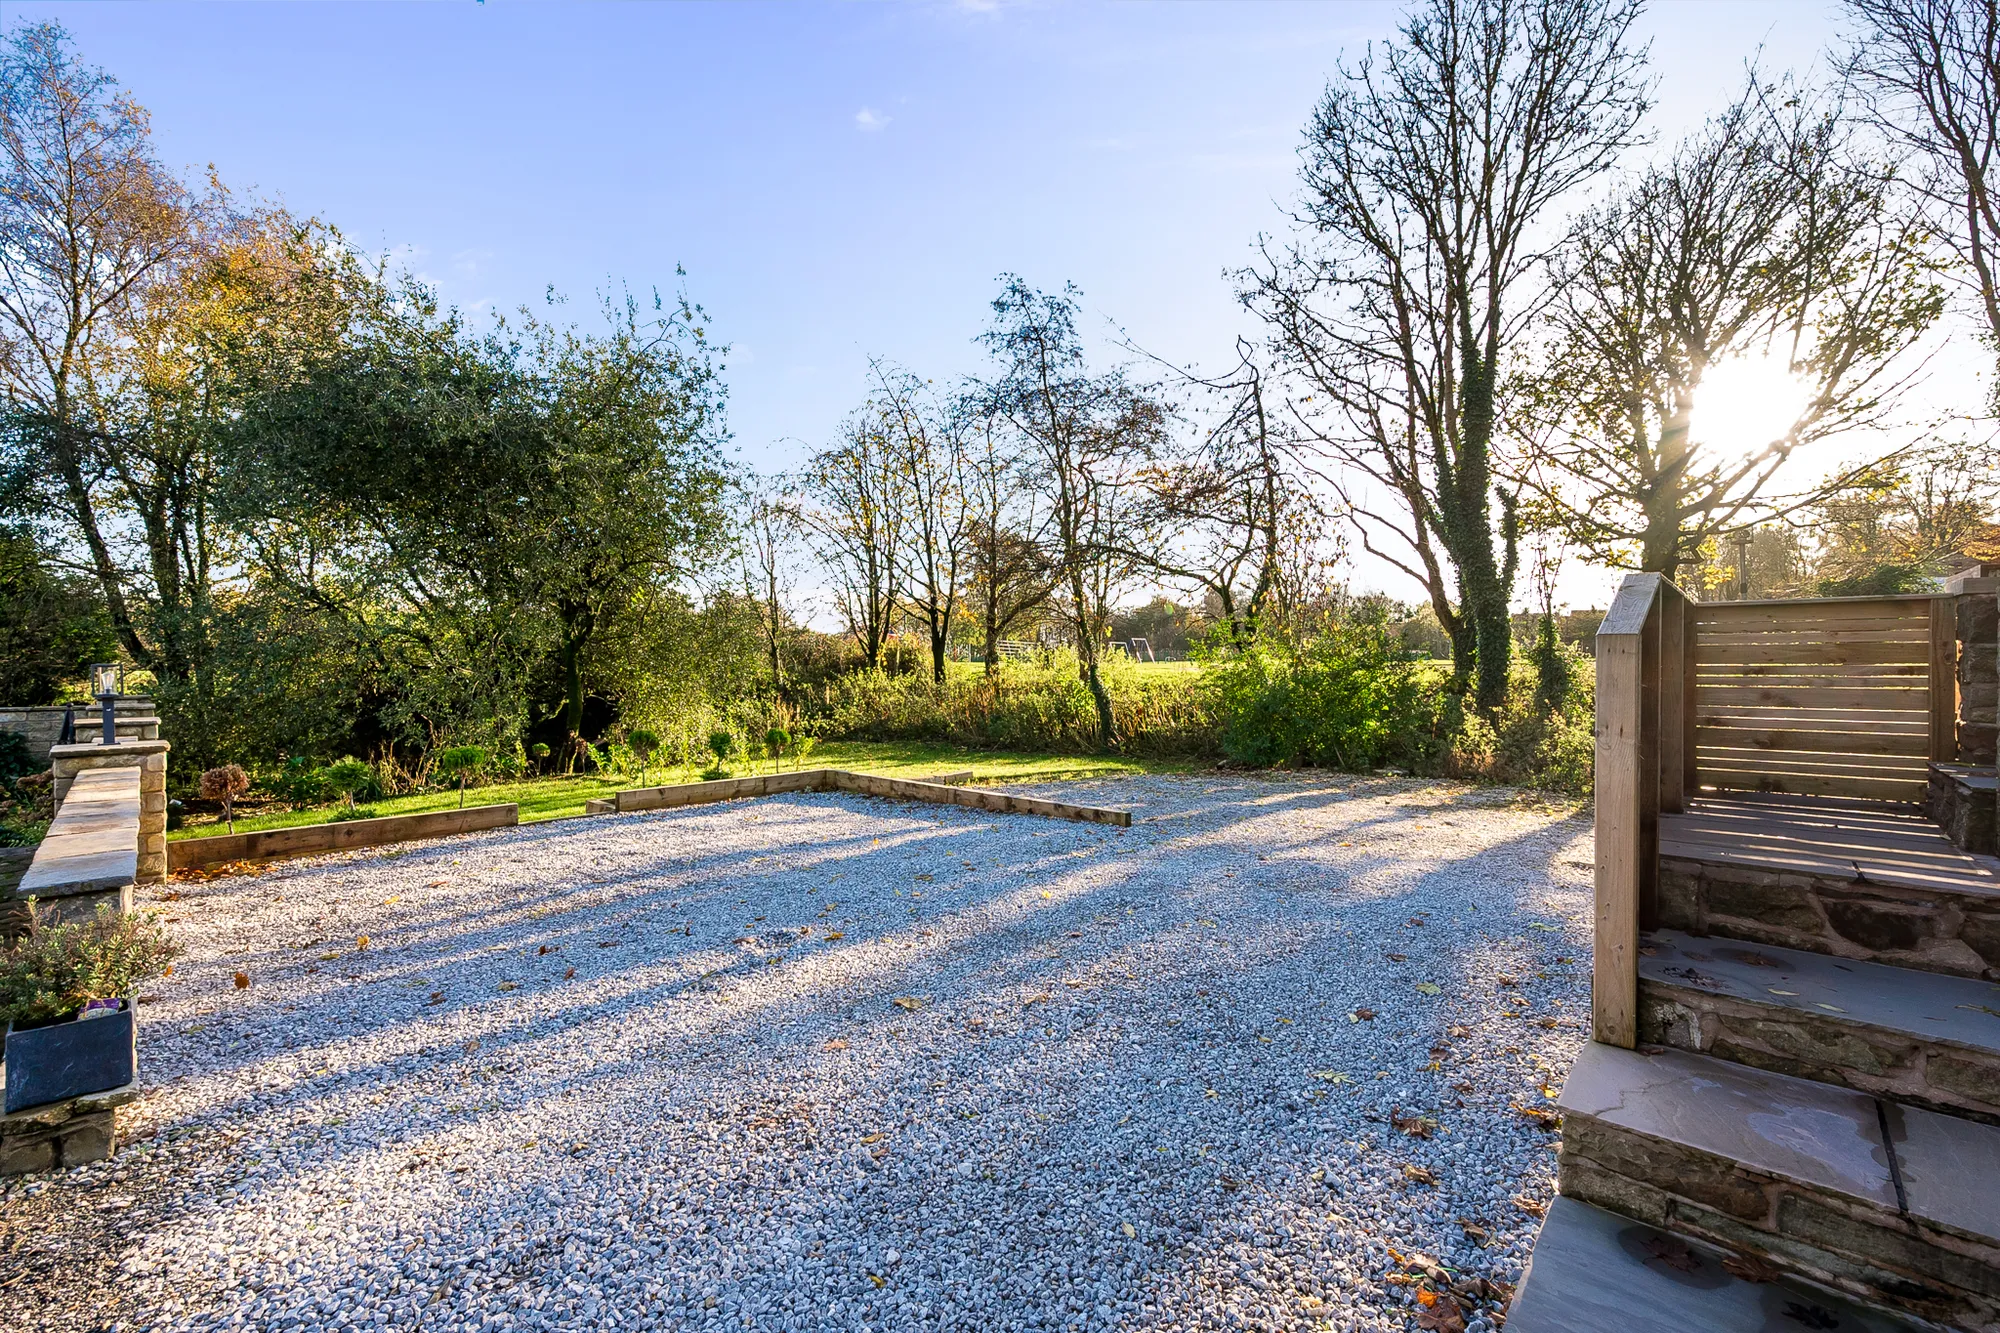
(1835, 696)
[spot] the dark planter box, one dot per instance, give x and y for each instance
(70, 1057)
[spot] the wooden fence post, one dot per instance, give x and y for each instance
(1622, 779)
(1944, 679)
(1673, 701)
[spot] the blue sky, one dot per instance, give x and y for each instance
(838, 180)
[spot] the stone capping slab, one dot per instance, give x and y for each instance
(304, 839)
(866, 784)
(1595, 1272)
(1809, 1133)
(93, 843)
(1960, 1011)
(55, 1113)
(1950, 1169)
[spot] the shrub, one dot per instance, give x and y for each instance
(461, 762)
(644, 745)
(1349, 699)
(776, 741)
(56, 968)
(351, 777)
(225, 784)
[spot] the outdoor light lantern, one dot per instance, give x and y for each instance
(105, 679)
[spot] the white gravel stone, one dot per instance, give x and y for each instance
(824, 1062)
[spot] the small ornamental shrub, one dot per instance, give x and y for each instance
(225, 784)
(349, 777)
(461, 762)
(723, 744)
(777, 740)
(57, 968)
(644, 745)
(539, 753)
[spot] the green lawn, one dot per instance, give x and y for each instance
(552, 798)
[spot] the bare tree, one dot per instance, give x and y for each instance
(859, 511)
(927, 443)
(1091, 435)
(1429, 172)
(1009, 578)
(1931, 69)
(770, 551)
(1765, 235)
(1211, 518)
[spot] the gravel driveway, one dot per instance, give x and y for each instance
(824, 1062)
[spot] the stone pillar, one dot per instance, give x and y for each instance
(150, 758)
(1978, 665)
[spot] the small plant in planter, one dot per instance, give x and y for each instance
(66, 993)
(777, 740)
(348, 777)
(644, 745)
(225, 784)
(462, 762)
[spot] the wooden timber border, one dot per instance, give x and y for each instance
(304, 839)
(942, 791)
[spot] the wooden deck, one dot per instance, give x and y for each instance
(1877, 841)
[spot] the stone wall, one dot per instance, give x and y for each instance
(133, 717)
(1978, 669)
(150, 758)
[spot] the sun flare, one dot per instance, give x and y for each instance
(1745, 403)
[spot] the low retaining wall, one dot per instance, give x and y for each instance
(132, 717)
(835, 779)
(90, 855)
(306, 838)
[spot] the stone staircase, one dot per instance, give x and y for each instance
(1806, 1134)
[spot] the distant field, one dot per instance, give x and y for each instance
(553, 798)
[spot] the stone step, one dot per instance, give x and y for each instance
(1910, 1036)
(1855, 879)
(1597, 1272)
(1893, 1205)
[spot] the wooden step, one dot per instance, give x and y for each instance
(1894, 1205)
(1597, 1272)
(1854, 879)
(1911, 1036)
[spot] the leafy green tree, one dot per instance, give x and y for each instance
(52, 625)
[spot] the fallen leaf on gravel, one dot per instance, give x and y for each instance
(1346, 844)
(1334, 1076)
(1361, 1015)
(1443, 1317)
(1543, 1116)
(1131, 1232)
(1474, 1232)
(437, 997)
(567, 975)
(1542, 925)
(1037, 999)
(878, 1281)
(471, 1046)
(870, 1139)
(391, 902)
(835, 935)
(907, 1003)
(1047, 894)
(837, 1044)
(242, 981)
(545, 949)
(1397, 957)
(329, 955)
(1548, 1023)
(926, 878)
(1531, 1207)
(1416, 1126)
(1420, 1174)
(510, 985)
(437, 883)
(1427, 988)
(1506, 980)
(1751, 1269)
(1458, 1030)
(612, 944)
(360, 941)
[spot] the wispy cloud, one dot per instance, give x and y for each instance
(871, 120)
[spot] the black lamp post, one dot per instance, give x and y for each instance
(105, 679)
